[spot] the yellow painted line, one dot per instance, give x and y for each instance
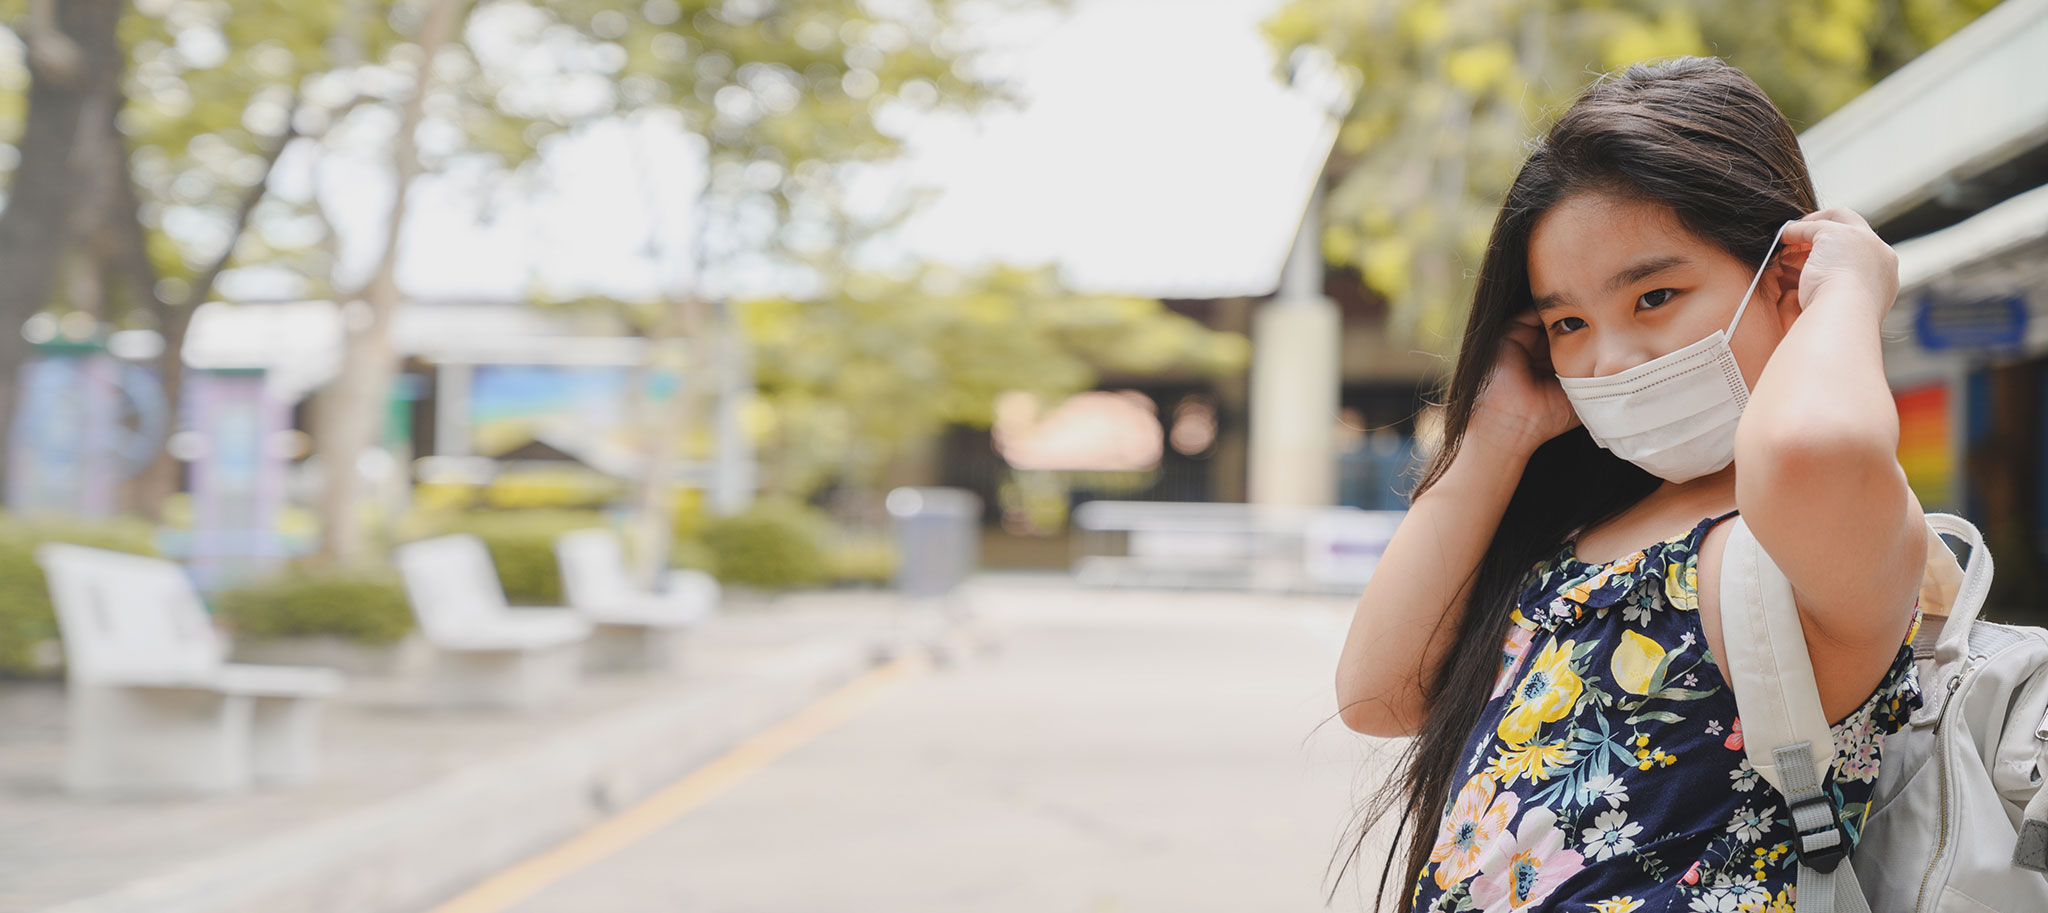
(529, 877)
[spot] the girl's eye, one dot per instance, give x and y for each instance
(1666, 296)
(1559, 327)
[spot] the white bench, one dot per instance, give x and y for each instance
(486, 653)
(636, 629)
(152, 704)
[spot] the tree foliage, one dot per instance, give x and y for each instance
(1452, 91)
(785, 97)
(849, 378)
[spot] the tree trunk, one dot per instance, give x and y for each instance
(651, 526)
(352, 407)
(161, 477)
(75, 68)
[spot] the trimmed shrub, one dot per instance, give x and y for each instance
(522, 545)
(26, 616)
(773, 544)
(366, 605)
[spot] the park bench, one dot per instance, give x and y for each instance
(152, 704)
(635, 628)
(485, 652)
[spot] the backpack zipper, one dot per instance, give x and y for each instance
(1955, 683)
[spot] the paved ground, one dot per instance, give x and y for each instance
(56, 848)
(1115, 751)
(1121, 751)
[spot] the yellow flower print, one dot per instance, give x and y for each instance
(1682, 584)
(1546, 693)
(1781, 903)
(1537, 762)
(1586, 587)
(1617, 905)
(1635, 662)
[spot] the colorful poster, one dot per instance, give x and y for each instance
(237, 475)
(83, 421)
(582, 410)
(1924, 448)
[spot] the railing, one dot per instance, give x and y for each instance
(1241, 546)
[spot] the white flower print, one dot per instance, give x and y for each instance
(1713, 726)
(1691, 679)
(1739, 894)
(1749, 893)
(1717, 900)
(1856, 747)
(1745, 777)
(1748, 824)
(1685, 640)
(1606, 787)
(1635, 610)
(1612, 833)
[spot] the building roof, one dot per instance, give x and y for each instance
(1940, 133)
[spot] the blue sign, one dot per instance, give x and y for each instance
(1994, 322)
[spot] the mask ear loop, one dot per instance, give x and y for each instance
(1732, 324)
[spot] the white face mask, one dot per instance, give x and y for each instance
(1675, 414)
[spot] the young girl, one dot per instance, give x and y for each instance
(1665, 333)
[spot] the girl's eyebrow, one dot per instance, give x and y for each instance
(1629, 274)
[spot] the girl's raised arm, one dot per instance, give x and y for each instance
(1819, 481)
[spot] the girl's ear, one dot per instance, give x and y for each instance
(1780, 288)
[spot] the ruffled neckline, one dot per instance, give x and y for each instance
(1567, 555)
(1566, 588)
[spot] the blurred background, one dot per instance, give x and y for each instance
(1079, 350)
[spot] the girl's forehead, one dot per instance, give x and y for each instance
(1583, 240)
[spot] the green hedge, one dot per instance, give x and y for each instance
(774, 544)
(522, 544)
(26, 616)
(366, 605)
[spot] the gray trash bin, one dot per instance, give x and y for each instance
(938, 538)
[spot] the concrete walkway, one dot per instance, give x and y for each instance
(1110, 751)
(1118, 751)
(413, 804)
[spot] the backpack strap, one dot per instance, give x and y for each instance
(1784, 732)
(2031, 852)
(1768, 665)
(1971, 587)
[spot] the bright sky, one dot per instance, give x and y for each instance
(1156, 155)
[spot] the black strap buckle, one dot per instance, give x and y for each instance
(1820, 858)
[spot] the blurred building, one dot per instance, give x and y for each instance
(1948, 159)
(489, 390)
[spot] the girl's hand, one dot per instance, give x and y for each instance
(1835, 249)
(1522, 401)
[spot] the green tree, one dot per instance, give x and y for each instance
(854, 377)
(207, 93)
(1450, 93)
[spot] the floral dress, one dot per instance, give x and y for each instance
(1607, 773)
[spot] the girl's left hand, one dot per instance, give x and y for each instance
(1836, 249)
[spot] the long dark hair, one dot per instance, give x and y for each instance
(1694, 135)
